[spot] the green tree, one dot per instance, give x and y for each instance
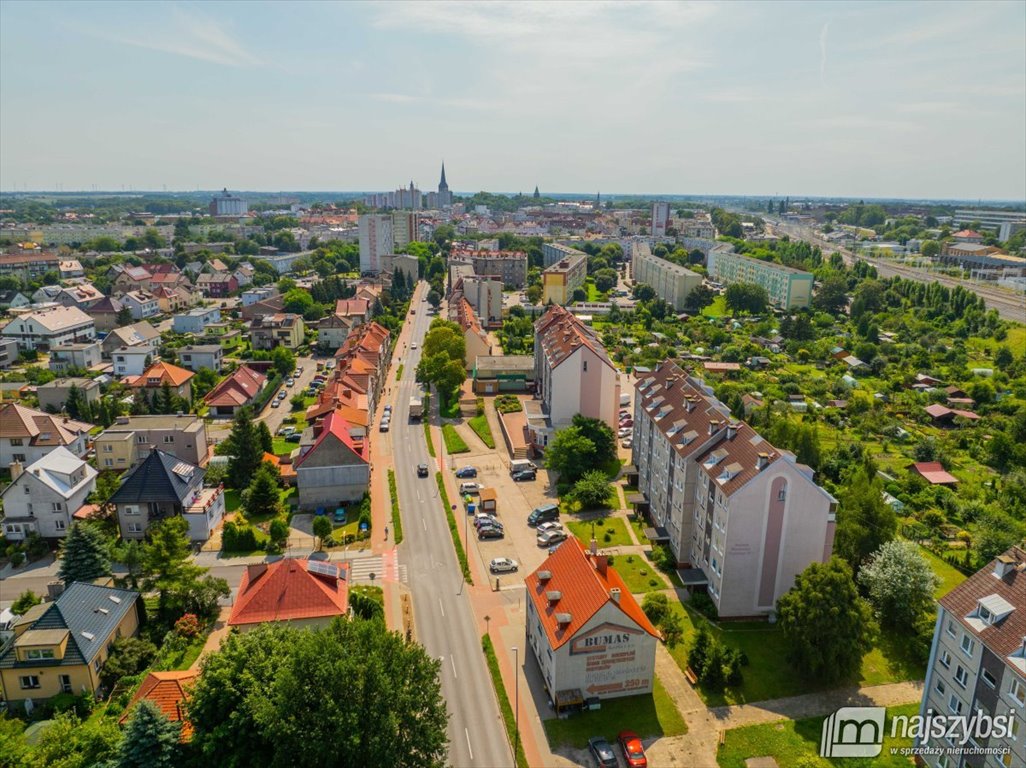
(297, 301)
(864, 520)
(672, 629)
(71, 743)
(600, 434)
(75, 404)
(995, 532)
(14, 752)
(128, 656)
(245, 450)
(746, 298)
(284, 360)
(699, 650)
(900, 583)
(204, 381)
(930, 249)
(828, 628)
(322, 529)
(570, 453)
(446, 338)
(123, 317)
(279, 532)
(263, 498)
(85, 555)
(264, 436)
(591, 491)
(832, 295)
(434, 298)
(655, 605)
(151, 740)
(166, 564)
(25, 600)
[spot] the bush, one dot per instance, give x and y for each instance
(17, 558)
(81, 704)
(239, 537)
(36, 545)
(188, 625)
(655, 606)
(128, 656)
(702, 603)
(508, 404)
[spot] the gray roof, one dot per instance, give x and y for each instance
(86, 611)
(160, 477)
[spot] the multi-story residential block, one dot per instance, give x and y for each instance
(553, 252)
(572, 371)
(660, 219)
(563, 278)
(407, 264)
(282, 262)
(217, 285)
(54, 394)
(671, 282)
(132, 361)
(139, 336)
(977, 666)
(196, 320)
(142, 304)
(787, 287)
(9, 353)
(377, 241)
(475, 338)
(277, 330)
(130, 439)
(163, 486)
(227, 204)
(485, 296)
(253, 295)
(745, 517)
(196, 356)
(27, 435)
(44, 328)
(508, 266)
(29, 264)
(78, 356)
(349, 313)
(405, 228)
(1004, 224)
(61, 647)
(43, 496)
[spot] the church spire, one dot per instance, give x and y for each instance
(536, 194)
(442, 186)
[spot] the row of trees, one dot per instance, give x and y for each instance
(443, 359)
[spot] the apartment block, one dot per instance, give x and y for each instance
(563, 278)
(508, 266)
(377, 240)
(787, 287)
(977, 665)
(743, 517)
(660, 219)
(45, 328)
(671, 282)
(75, 355)
(553, 252)
(129, 440)
(405, 228)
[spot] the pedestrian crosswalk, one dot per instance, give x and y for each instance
(382, 567)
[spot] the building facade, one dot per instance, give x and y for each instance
(787, 287)
(49, 327)
(130, 439)
(76, 355)
(43, 496)
(277, 330)
(560, 280)
(671, 282)
(377, 240)
(196, 356)
(227, 204)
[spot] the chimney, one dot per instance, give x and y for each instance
(731, 431)
(255, 569)
(615, 594)
(762, 461)
(122, 420)
(689, 403)
(17, 468)
(601, 563)
(714, 426)
(37, 472)
(1003, 566)
(544, 576)
(553, 596)
(593, 547)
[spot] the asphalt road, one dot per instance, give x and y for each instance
(442, 613)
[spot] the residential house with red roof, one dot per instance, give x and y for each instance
(217, 285)
(27, 435)
(235, 391)
(333, 467)
(130, 278)
(304, 593)
(586, 631)
(160, 373)
(168, 692)
(474, 336)
(333, 329)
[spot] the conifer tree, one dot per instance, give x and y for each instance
(151, 740)
(85, 555)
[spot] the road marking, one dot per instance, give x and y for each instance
(424, 521)
(469, 748)
(441, 608)
(453, 660)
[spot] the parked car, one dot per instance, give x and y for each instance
(290, 382)
(548, 538)
(544, 514)
(383, 426)
(633, 749)
(286, 430)
(276, 403)
(388, 409)
(602, 752)
(503, 565)
(624, 431)
(553, 526)
(524, 475)
(413, 345)
(466, 472)
(627, 442)
(483, 519)
(422, 470)
(488, 532)
(295, 437)
(299, 371)
(469, 488)
(282, 394)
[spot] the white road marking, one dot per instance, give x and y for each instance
(424, 521)
(453, 660)
(469, 748)
(441, 608)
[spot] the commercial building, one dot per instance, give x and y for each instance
(75, 355)
(977, 665)
(560, 280)
(130, 439)
(227, 204)
(27, 435)
(43, 496)
(787, 287)
(586, 631)
(508, 266)
(671, 282)
(660, 219)
(743, 517)
(1004, 224)
(377, 241)
(304, 593)
(572, 371)
(45, 328)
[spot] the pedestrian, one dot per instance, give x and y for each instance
(386, 533)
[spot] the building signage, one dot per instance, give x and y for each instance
(605, 637)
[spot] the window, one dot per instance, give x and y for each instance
(60, 525)
(17, 441)
(1013, 731)
(1018, 691)
(968, 644)
(108, 462)
(951, 628)
(1006, 760)
(954, 704)
(941, 688)
(108, 448)
(57, 506)
(140, 438)
(169, 438)
(26, 489)
(135, 528)
(65, 683)
(131, 509)
(989, 679)
(585, 366)
(18, 457)
(28, 682)
(961, 676)
(39, 653)
(943, 762)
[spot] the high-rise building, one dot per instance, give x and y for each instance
(377, 241)
(405, 225)
(227, 204)
(660, 219)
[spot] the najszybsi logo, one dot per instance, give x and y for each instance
(853, 732)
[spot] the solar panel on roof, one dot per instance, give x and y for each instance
(182, 469)
(322, 569)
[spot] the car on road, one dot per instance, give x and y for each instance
(489, 532)
(545, 514)
(626, 442)
(299, 370)
(553, 526)
(413, 345)
(466, 472)
(290, 382)
(388, 409)
(383, 426)
(282, 394)
(503, 565)
(548, 538)
(276, 403)
(524, 475)
(624, 431)
(470, 488)
(602, 752)
(633, 749)
(422, 470)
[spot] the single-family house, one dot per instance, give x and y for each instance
(54, 394)
(196, 320)
(43, 496)
(235, 391)
(167, 691)
(196, 356)
(132, 361)
(83, 296)
(9, 352)
(142, 304)
(278, 330)
(304, 593)
(75, 355)
(130, 439)
(333, 467)
(253, 295)
(11, 299)
(160, 374)
(105, 313)
(131, 278)
(27, 435)
(217, 285)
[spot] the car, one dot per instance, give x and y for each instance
(469, 488)
(340, 515)
(553, 526)
(602, 752)
(548, 538)
(488, 532)
(276, 403)
(413, 311)
(383, 426)
(422, 470)
(295, 437)
(524, 475)
(286, 430)
(289, 382)
(626, 424)
(466, 472)
(483, 518)
(626, 442)
(503, 565)
(299, 371)
(282, 394)
(624, 413)
(544, 514)
(633, 749)
(388, 409)
(624, 431)
(413, 345)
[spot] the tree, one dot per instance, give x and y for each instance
(828, 628)
(570, 454)
(900, 583)
(263, 498)
(270, 697)
(864, 520)
(592, 490)
(279, 532)
(265, 437)
(123, 317)
(85, 555)
(25, 600)
(434, 298)
(930, 249)
(746, 298)
(245, 450)
(600, 434)
(75, 404)
(322, 529)
(672, 629)
(699, 298)
(166, 564)
(128, 656)
(14, 751)
(204, 381)
(151, 740)
(996, 531)
(655, 606)
(699, 650)
(832, 295)
(445, 338)
(284, 360)
(71, 743)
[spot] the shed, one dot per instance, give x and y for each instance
(489, 500)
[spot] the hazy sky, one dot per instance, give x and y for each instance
(889, 99)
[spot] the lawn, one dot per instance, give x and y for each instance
(718, 308)
(453, 442)
(638, 573)
(594, 294)
(282, 447)
(649, 715)
(232, 500)
(481, 428)
(795, 744)
(949, 576)
(609, 531)
(397, 520)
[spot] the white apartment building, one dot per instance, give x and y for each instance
(977, 664)
(743, 516)
(485, 296)
(405, 226)
(671, 282)
(377, 240)
(43, 496)
(48, 327)
(1003, 223)
(660, 219)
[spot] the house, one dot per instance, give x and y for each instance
(945, 417)
(475, 337)
(196, 356)
(196, 320)
(132, 361)
(217, 285)
(934, 473)
(130, 439)
(46, 294)
(253, 295)
(243, 276)
(304, 593)
(65, 648)
(349, 313)
(333, 467)
(83, 296)
(277, 330)
(167, 691)
(11, 299)
(977, 666)
(131, 278)
(27, 435)
(162, 486)
(105, 313)
(75, 355)
(54, 394)
(139, 336)
(237, 390)
(160, 373)
(586, 632)
(44, 328)
(142, 304)
(9, 353)
(268, 306)
(43, 496)
(171, 300)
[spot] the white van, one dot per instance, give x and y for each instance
(518, 465)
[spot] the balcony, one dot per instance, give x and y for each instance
(203, 499)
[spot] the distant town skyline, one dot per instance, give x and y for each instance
(871, 100)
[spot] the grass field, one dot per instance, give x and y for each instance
(949, 576)
(481, 428)
(397, 520)
(717, 309)
(399, 373)
(639, 574)
(619, 537)
(453, 442)
(650, 715)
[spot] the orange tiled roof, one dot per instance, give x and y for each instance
(167, 373)
(285, 590)
(238, 389)
(167, 690)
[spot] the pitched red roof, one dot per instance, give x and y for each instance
(584, 589)
(934, 473)
(167, 690)
(165, 372)
(337, 428)
(237, 389)
(286, 590)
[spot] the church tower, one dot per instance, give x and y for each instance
(444, 195)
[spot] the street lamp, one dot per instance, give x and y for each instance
(516, 705)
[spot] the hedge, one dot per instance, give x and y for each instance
(461, 555)
(508, 716)
(397, 522)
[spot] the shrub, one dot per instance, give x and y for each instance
(655, 606)
(188, 625)
(36, 545)
(702, 603)
(239, 537)
(17, 558)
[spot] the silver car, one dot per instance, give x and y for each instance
(503, 565)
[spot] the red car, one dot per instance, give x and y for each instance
(633, 751)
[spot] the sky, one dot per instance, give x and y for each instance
(863, 99)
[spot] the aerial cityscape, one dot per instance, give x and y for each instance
(513, 385)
